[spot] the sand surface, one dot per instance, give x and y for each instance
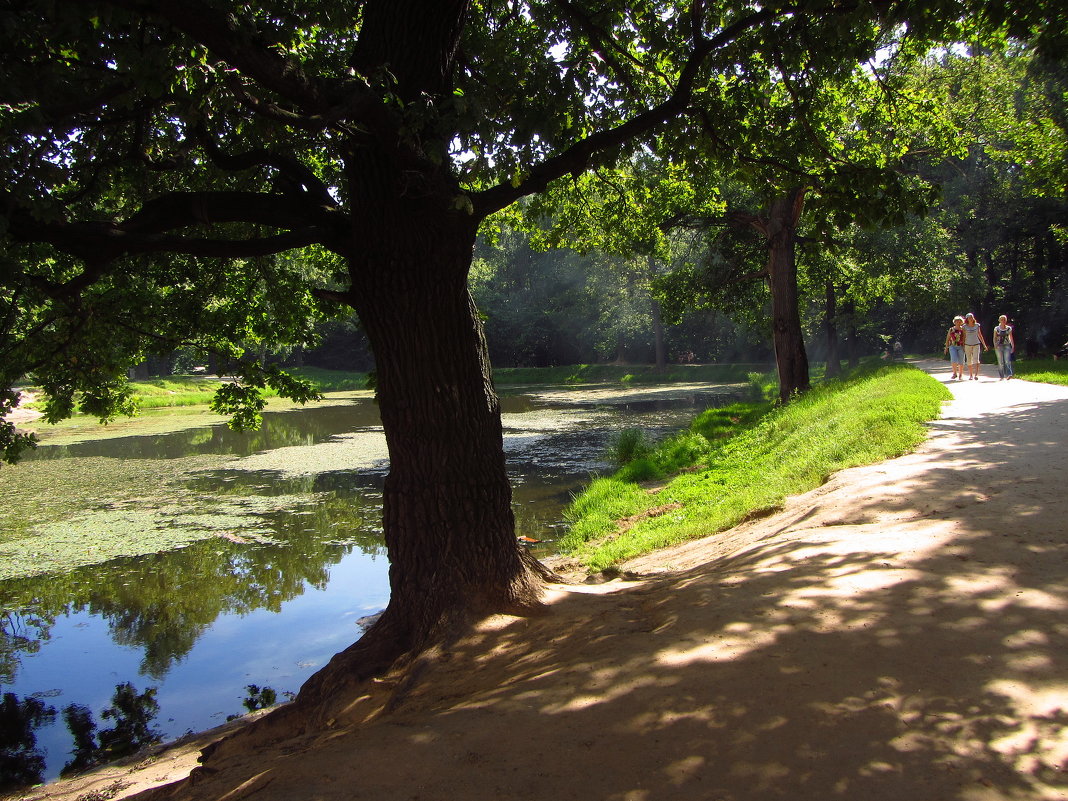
(899, 633)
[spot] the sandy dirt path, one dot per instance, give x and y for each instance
(899, 633)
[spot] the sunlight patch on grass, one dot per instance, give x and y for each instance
(1046, 371)
(753, 461)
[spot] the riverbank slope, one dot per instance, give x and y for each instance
(896, 633)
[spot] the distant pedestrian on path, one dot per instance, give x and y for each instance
(1004, 345)
(973, 339)
(955, 348)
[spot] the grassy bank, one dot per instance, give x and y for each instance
(736, 462)
(177, 390)
(627, 374)
(1047, 371)
(174, 391)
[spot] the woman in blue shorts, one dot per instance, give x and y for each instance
(955, 347)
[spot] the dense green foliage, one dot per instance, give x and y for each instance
(747, 460)
(978, 137)
(129, 130)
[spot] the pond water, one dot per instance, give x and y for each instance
(192, 563)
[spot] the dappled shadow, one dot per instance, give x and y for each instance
(907, 644)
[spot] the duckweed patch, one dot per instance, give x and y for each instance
(125, 529)
(361, 450)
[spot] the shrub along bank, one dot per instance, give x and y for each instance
(734, 462)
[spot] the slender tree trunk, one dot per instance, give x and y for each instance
(834, 363)
(990, 273)
(852, 344)
(659, 346)
(790, 356)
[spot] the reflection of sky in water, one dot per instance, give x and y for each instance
(280, 650)
(554, 441)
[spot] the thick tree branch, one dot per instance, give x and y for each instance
(147, 231)
(220, 248)
(182, 209)
(223, 35)
(576, 158)
(298, 174)
(322, 102)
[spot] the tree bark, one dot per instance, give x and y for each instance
(659, 345)
(447, 516)
(852, 344)
(790, 356)
(834, 362)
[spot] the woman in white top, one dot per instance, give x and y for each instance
(973, 338)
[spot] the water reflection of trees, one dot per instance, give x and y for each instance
(133, 714)
(21, 633)
(162, 603)
(21, 761)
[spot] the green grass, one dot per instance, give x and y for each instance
(158, 393)
(1046, 371)
(734, 462)
(626, 374)
(331, 380)
(177, 391)
(196, 391)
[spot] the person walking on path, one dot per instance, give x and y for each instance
(1004, 345)
(955, 348)
(973, 339)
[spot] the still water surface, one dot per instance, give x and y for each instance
(270, 548)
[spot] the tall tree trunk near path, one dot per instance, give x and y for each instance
(659, 345)
(790, 356)
(852, 343)
(830, 323)
(447, 515)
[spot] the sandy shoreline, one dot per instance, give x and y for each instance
(898, 633)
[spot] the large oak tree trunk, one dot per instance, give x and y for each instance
(447, 516)
(790, 356)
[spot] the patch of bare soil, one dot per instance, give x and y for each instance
(898, 634)
(22, 414)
